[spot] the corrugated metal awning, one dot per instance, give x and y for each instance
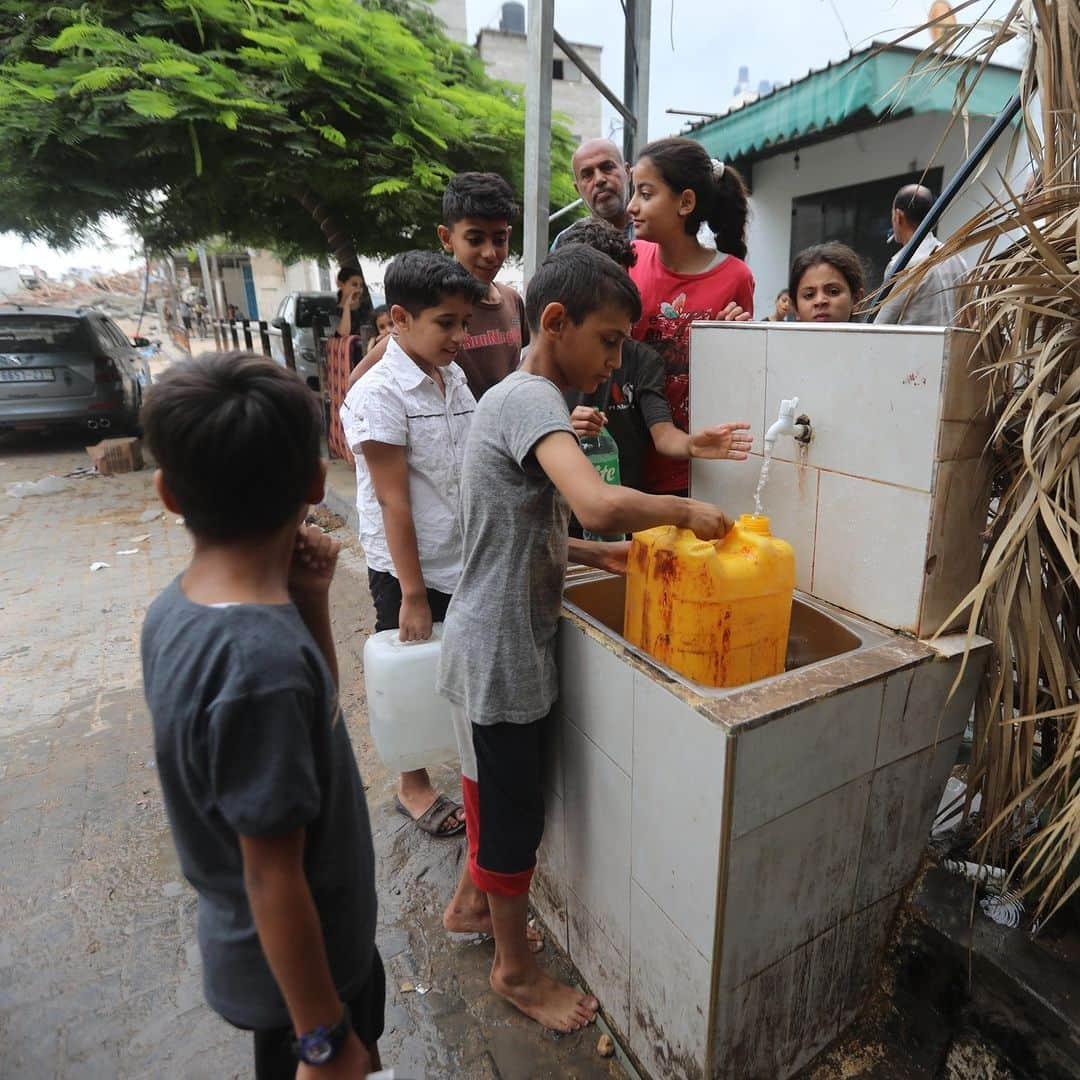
(872, 85)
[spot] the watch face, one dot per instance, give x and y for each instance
(318, 1050)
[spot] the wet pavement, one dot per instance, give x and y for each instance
(99, 970)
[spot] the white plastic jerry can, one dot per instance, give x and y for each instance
(410, 721)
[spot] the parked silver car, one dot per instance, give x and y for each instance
(62, 366)
(295, 316)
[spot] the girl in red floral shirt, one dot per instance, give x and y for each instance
(677, 188)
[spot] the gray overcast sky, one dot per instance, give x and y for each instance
(777, 39)
(781, 40)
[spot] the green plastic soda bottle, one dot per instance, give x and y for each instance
(603, 452)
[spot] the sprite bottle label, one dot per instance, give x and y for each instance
(603, 452)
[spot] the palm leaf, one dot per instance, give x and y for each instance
(1024, 305)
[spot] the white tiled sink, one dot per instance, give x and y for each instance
(712, 849)
(724, 866)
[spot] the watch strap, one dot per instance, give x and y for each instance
(321, 1045)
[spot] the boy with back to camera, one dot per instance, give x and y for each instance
(478, 210)
(263, 795)
(523, 469)
(406, 422)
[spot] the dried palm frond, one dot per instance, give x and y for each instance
(1023, 301)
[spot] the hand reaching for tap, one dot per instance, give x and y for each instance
(725, 442)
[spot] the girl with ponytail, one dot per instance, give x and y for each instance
(677, 188)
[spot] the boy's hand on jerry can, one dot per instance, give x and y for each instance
(314, 560)
(616, 555)
(414, 619)
(707, 522)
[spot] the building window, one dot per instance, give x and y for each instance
(858, 216)
(557, 69)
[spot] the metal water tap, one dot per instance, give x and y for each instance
(788, 424)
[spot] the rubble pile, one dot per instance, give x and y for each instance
(117, 294)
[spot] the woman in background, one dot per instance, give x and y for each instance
(782, 309)
(353, 302)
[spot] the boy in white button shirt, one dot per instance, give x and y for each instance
(406, 421)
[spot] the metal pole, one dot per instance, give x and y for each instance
(579, 62)
(960, 178)
(541, 29)
(219, 298)
(636, 51)
(565, 210)
(208, 282)
(264, 337)
(643, 51)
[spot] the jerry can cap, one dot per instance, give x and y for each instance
(754, 523)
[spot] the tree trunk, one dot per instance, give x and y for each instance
(341, 245)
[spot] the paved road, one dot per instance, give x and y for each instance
(99, 970)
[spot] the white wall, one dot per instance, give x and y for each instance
(505, 55)
(891, 149)
(302, 276)
(232, 280)
(452, 13)
(10, 281)
(271, 283)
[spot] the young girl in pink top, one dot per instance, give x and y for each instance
(677, 187)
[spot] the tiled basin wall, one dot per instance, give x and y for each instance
(886, 505)
(832, 806)
(799, 811)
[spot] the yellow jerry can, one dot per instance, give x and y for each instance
(716, 611)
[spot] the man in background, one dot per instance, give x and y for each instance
(602, 179)
(933, 301)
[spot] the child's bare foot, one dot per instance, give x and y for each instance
(551, 1004)
(475, 918)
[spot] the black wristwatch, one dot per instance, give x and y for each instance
(321, 1046)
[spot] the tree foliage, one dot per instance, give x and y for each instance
(193, 118)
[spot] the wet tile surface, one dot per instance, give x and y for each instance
(791, 879)
(804, 754)
(678, 808)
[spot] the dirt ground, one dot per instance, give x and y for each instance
(99, 969)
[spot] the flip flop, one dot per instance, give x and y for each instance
(431, 820)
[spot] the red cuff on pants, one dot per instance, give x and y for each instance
(489, 881)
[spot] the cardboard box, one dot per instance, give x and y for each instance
(112, 456)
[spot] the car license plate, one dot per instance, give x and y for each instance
(40, 374)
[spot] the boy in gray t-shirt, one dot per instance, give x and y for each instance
(264, 799)
(523, 471)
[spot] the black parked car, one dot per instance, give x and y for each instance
(62, 367)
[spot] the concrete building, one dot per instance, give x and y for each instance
(505, 54)
(452, 13)
(824, 156)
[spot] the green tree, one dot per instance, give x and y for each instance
(295, 125)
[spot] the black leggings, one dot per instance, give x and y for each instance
(274, 1058)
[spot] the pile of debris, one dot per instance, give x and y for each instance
(117, 294)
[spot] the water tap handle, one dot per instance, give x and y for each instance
(788, 407)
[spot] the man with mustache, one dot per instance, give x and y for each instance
(602, 178)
